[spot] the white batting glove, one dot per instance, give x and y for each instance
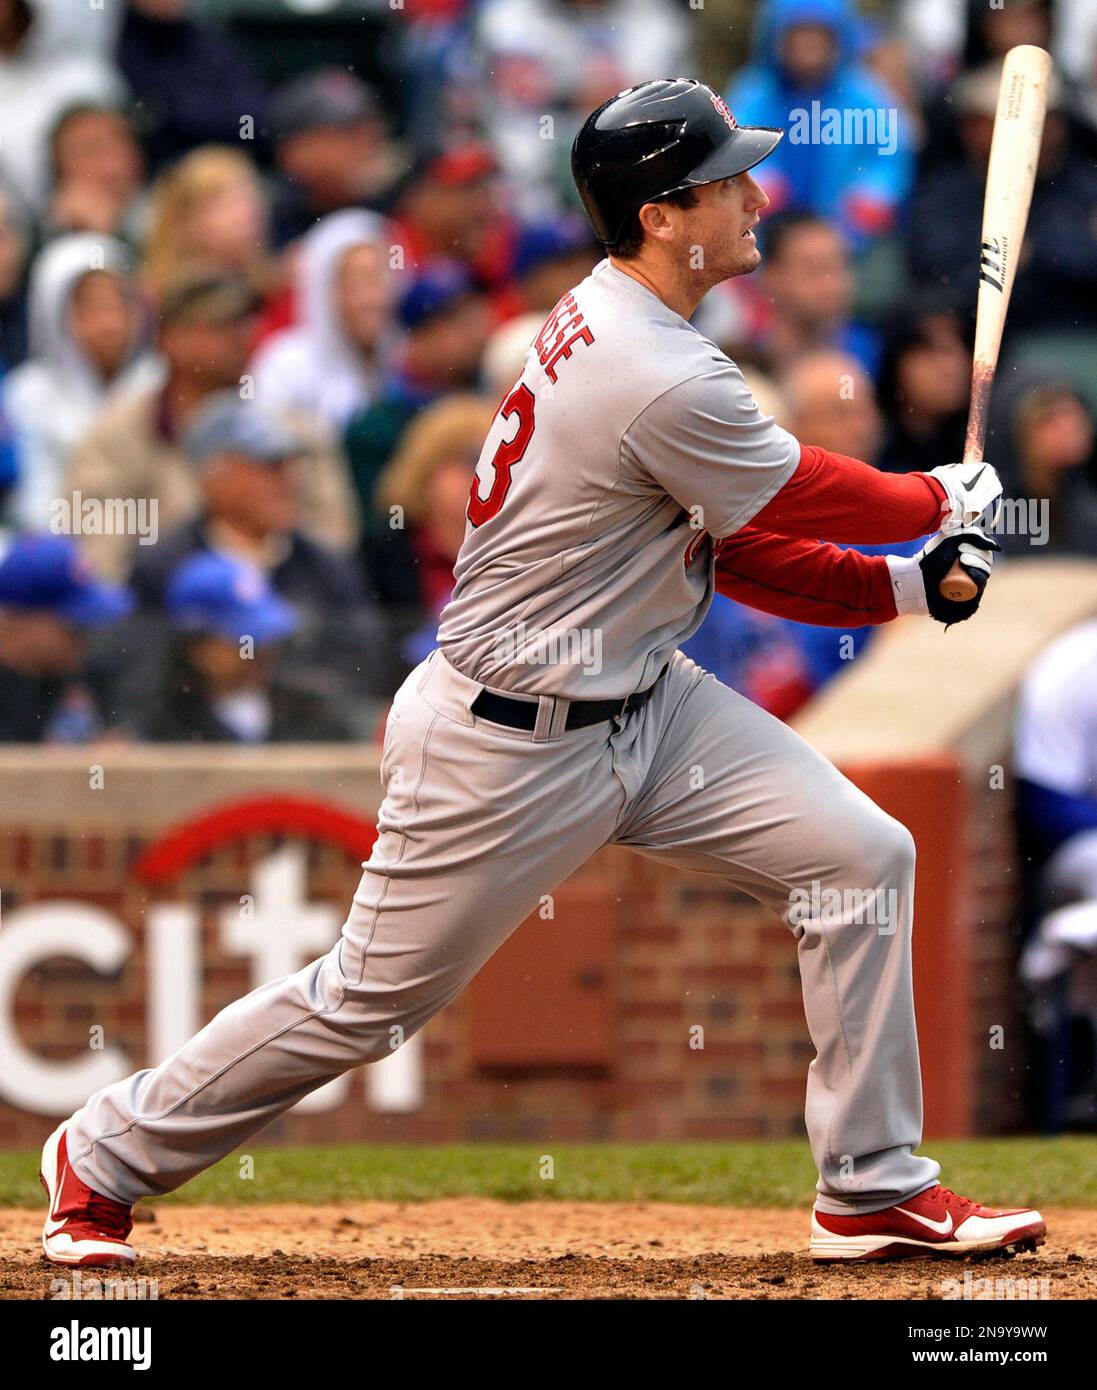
(971, 488)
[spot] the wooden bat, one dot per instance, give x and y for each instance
(1011, 173)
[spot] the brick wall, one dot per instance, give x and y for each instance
(1001, 1057)
(585, 1026)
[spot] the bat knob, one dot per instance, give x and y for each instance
(958, 586)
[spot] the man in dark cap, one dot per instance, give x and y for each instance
(550, 257)
(331, 149)
(247, 466)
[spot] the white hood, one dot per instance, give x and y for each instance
(322, 251)
(56, 272)
(52, 397)
(313, 371)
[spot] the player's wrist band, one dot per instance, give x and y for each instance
(907, 584)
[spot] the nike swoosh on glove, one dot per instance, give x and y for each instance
(971, 488)
(916, 581)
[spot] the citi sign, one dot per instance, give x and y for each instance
(272, 925)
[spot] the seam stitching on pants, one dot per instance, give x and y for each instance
(841, 1031)
(403, 845)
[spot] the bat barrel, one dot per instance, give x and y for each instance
(1011, 174)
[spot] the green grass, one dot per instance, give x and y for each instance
(1048, 1171)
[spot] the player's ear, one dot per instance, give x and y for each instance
(656, 222)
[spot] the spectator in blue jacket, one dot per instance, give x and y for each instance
(847, 150)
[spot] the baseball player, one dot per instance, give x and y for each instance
(627, 474)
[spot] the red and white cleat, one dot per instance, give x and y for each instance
(936, 1222)
(82, 1227)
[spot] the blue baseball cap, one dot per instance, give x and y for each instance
(49, 573)
(226, 424)
(435, 290)
(539, 242)
(210, 594)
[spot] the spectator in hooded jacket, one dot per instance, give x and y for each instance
(89, 346)
(328, 366)
(807, 78)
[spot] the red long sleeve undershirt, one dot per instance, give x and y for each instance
(781, 563)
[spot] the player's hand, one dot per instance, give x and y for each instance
(971, 488)
(916, 582)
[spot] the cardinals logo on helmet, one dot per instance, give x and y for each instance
(722, 106)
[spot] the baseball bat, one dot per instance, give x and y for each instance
(1011, 173)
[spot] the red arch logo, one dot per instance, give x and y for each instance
(172, 854)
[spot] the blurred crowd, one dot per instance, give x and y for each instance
(254, 327)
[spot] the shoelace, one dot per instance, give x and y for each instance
(107, 1216)
(960, 1206)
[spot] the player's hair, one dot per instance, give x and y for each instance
(628, 244)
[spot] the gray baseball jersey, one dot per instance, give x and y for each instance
(627, 438)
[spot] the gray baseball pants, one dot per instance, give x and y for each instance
(477, 823)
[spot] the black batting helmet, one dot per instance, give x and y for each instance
(655, 139)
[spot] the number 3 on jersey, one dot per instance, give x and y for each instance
(519, 403)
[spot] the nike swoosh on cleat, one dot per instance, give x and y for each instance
(942, 1228)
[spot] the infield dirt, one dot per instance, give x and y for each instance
(475, 1248)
